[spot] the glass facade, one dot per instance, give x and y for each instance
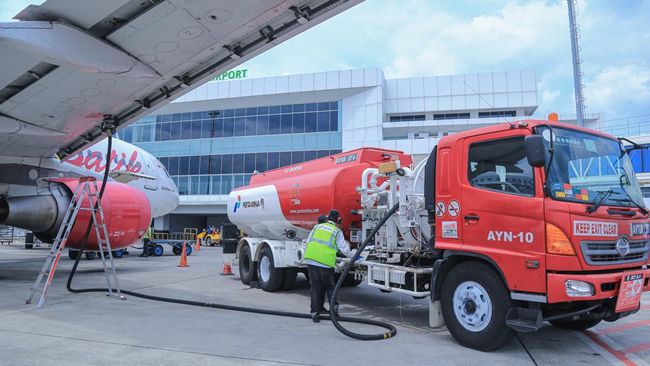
(219, 174)
(255, 121)
(640, 160)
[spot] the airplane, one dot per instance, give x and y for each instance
(31, 197)
(73, 71)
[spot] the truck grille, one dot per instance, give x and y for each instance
(604, 253)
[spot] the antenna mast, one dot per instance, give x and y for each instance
(577, 64)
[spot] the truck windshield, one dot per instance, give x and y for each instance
(587, 168)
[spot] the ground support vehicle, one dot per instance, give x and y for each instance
(212, 239)
(175, 240)
(501, 228)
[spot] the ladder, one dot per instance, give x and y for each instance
(82, 190)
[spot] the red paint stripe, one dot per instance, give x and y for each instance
(638, 348)
(623, 327)
(616, 353)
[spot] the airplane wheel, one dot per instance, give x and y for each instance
(118, 253)
(90, 255)
(73, 254)
(177, 250)
(188, 249)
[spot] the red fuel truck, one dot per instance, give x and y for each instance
(502, 227)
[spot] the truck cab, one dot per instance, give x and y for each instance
(535, 221)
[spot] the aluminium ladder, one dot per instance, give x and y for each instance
(82, 190)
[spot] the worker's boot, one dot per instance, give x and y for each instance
(315, 317)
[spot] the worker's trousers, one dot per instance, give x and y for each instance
(145, 247)
(321, 280)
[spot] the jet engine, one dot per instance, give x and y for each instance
(127, 213)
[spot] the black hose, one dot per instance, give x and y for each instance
(199, 303)
(333, 312)
(84, 241)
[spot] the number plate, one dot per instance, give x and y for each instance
(629, 293)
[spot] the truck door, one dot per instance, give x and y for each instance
(502, 209)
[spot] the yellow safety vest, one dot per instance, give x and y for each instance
(148, 234)
(321, 244)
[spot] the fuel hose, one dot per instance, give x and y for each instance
(391, 329)
(333, 312)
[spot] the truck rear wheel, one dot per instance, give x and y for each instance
(270, 278)
(247, 271)
(475, 303)
(582, 324)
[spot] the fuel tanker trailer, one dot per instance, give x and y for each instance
(501, 228)
(280, 207)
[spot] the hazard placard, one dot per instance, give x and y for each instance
(629, 293)
(453, 208)
(440, 208)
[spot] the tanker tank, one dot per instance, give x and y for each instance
(285, 203)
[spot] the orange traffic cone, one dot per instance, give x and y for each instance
(183, 258)
(197, 246)
(227, 270)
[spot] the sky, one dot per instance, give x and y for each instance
(442, 37)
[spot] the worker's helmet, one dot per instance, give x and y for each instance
(334, 216)
(322, 219)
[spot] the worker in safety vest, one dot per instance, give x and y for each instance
(145, 241)
(323, 242)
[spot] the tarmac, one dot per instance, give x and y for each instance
(92, 329)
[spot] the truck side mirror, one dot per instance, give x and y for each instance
(535, 150)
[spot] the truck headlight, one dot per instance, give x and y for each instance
(579, 288)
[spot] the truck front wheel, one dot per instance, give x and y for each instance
(582, 324)
(247, 271)
(270, 278)
(474, 305)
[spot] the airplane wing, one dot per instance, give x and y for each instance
(71, 69)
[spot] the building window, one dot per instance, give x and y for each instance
(497, 114)
(442, 116)
(219, 174)
(254, 121)
(408, 118)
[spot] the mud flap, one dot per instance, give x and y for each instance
(524, 320)
(435, 314)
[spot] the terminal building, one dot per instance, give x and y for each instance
(217, 136)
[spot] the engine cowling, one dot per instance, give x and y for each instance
(127, 214)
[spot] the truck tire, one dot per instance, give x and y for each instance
(247, 270)
(582, 324)
(290, 275)
(475, 303)
(269, 277)
(350, 281)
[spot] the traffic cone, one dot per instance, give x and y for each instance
(183, 258)
(227, 270)
(197, 246)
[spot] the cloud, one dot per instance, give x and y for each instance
(550, 96)
(618, 89)
(443, 43)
